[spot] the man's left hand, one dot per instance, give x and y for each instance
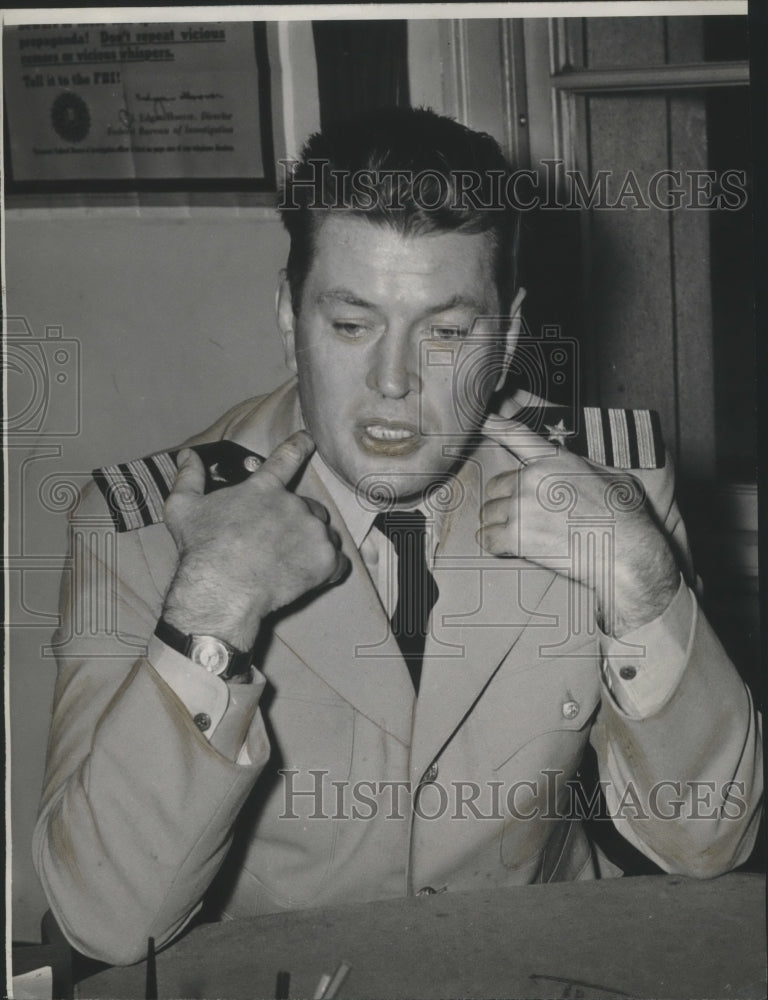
(535, 511)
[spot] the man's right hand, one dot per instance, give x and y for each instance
(249, 549)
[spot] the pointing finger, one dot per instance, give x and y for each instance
(289, 457)
(503, 485)
(190, 479)
(316, 508)
(343, 565)
(495, 512)
(495, 540)
(518, 439)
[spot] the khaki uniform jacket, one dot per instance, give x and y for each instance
(141, 815)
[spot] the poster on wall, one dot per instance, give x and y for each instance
(177, 106)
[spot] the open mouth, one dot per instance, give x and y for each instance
(383, 437)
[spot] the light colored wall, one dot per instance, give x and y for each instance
(171, 312)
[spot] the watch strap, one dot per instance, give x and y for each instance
(237, 663)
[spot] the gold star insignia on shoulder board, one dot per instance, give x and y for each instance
(558, 432)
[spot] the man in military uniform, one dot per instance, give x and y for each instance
(369, 665)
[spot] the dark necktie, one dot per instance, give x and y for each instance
(417, 590)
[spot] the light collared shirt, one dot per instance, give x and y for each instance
(376, 550)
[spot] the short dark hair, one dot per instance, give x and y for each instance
(408, 168)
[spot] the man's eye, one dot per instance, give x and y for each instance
(449, 332)
(348, 329)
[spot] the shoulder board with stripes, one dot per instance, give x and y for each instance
(621, 439)
(136, 491)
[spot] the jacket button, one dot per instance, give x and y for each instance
(570, 709)
(426, 890)
(202, 721)
(252, 463)
(628, 673)
(431, 773)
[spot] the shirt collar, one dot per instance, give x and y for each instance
(356, 514)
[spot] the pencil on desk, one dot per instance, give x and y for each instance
(150, 990)
(283, 986)
(322, 985)
(338, 978)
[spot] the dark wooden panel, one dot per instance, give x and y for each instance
(630, 293)
(690, 263)
(624, 41)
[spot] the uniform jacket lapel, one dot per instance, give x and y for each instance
(485, 604)
(343, 634)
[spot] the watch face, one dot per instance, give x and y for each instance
(210, 652)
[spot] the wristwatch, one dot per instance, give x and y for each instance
(207, 651)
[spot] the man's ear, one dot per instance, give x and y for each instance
(511, 336)
(286, 320)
